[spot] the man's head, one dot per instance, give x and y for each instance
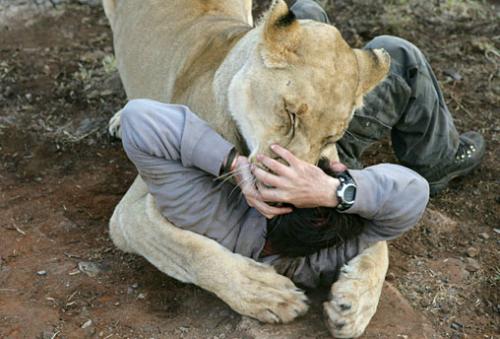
(301, 85)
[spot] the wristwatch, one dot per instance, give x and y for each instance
(346, 192)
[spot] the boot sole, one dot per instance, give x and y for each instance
(437, 186)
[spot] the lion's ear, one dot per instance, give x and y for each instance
(281, 35)
(373, 68)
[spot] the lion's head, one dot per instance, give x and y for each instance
(300, 85)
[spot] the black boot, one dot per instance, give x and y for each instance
(470, 152)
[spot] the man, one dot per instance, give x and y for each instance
(178, 156)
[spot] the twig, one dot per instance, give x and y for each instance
(19, 230)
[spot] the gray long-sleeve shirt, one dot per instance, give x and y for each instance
(178, 155)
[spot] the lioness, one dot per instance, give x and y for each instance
(251, 84)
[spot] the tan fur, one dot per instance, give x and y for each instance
(245, 81)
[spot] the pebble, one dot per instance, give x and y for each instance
(390, 277)
(456, 326)
(135, 286)
(41, 273)
(141, 296)
(484, 235)
(89, 268)
(472, 265)
(424, 303)
(472, 252)
(183, 329)
(87, 324)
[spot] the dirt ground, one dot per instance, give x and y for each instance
(61, 176)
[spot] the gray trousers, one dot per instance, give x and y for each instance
(408, 105)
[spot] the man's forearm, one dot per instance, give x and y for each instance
(391, 197)
(172, 133)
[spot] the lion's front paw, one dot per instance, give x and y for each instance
(114, 126)
(353, 303)
(259, 292)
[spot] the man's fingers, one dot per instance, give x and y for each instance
(270, 211)
(266, 177)
(338, 167)
(285, 154)
(274, 165)
(271, 194)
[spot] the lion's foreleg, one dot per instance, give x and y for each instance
(250, 288)
(355, 295)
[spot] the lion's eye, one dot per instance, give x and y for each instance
(329, 140)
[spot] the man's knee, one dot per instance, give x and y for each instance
(309, 9)
(401, 51)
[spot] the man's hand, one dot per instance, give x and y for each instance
(300, 184)
(246, 182)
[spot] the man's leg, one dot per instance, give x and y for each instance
(409, 104)
(309, 9)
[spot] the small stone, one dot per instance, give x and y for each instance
(135, 286)
(484, 235)
(472, 252)
(456, 326)
(390, 277)
(472, 265)
(424, 303)
(89, 268)
(117, 303)
(445, 309)
(41, 273)
(86, 324)
(183, 329)
(497, 230)
(141, 296)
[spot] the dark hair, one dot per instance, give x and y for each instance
(307, 230)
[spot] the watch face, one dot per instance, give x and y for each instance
(349, 194)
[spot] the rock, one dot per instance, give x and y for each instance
(86, 324)
(484, 235)
(247, 323)
(472, 252)
(141, 296)
(453, 74)
(41, 273)
(472, 265)
(438, 222)
(456, 326)
(395, 317)
(89, 268)
(390, 276)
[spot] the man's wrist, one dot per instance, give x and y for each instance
(229, 163)
(330, 193)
